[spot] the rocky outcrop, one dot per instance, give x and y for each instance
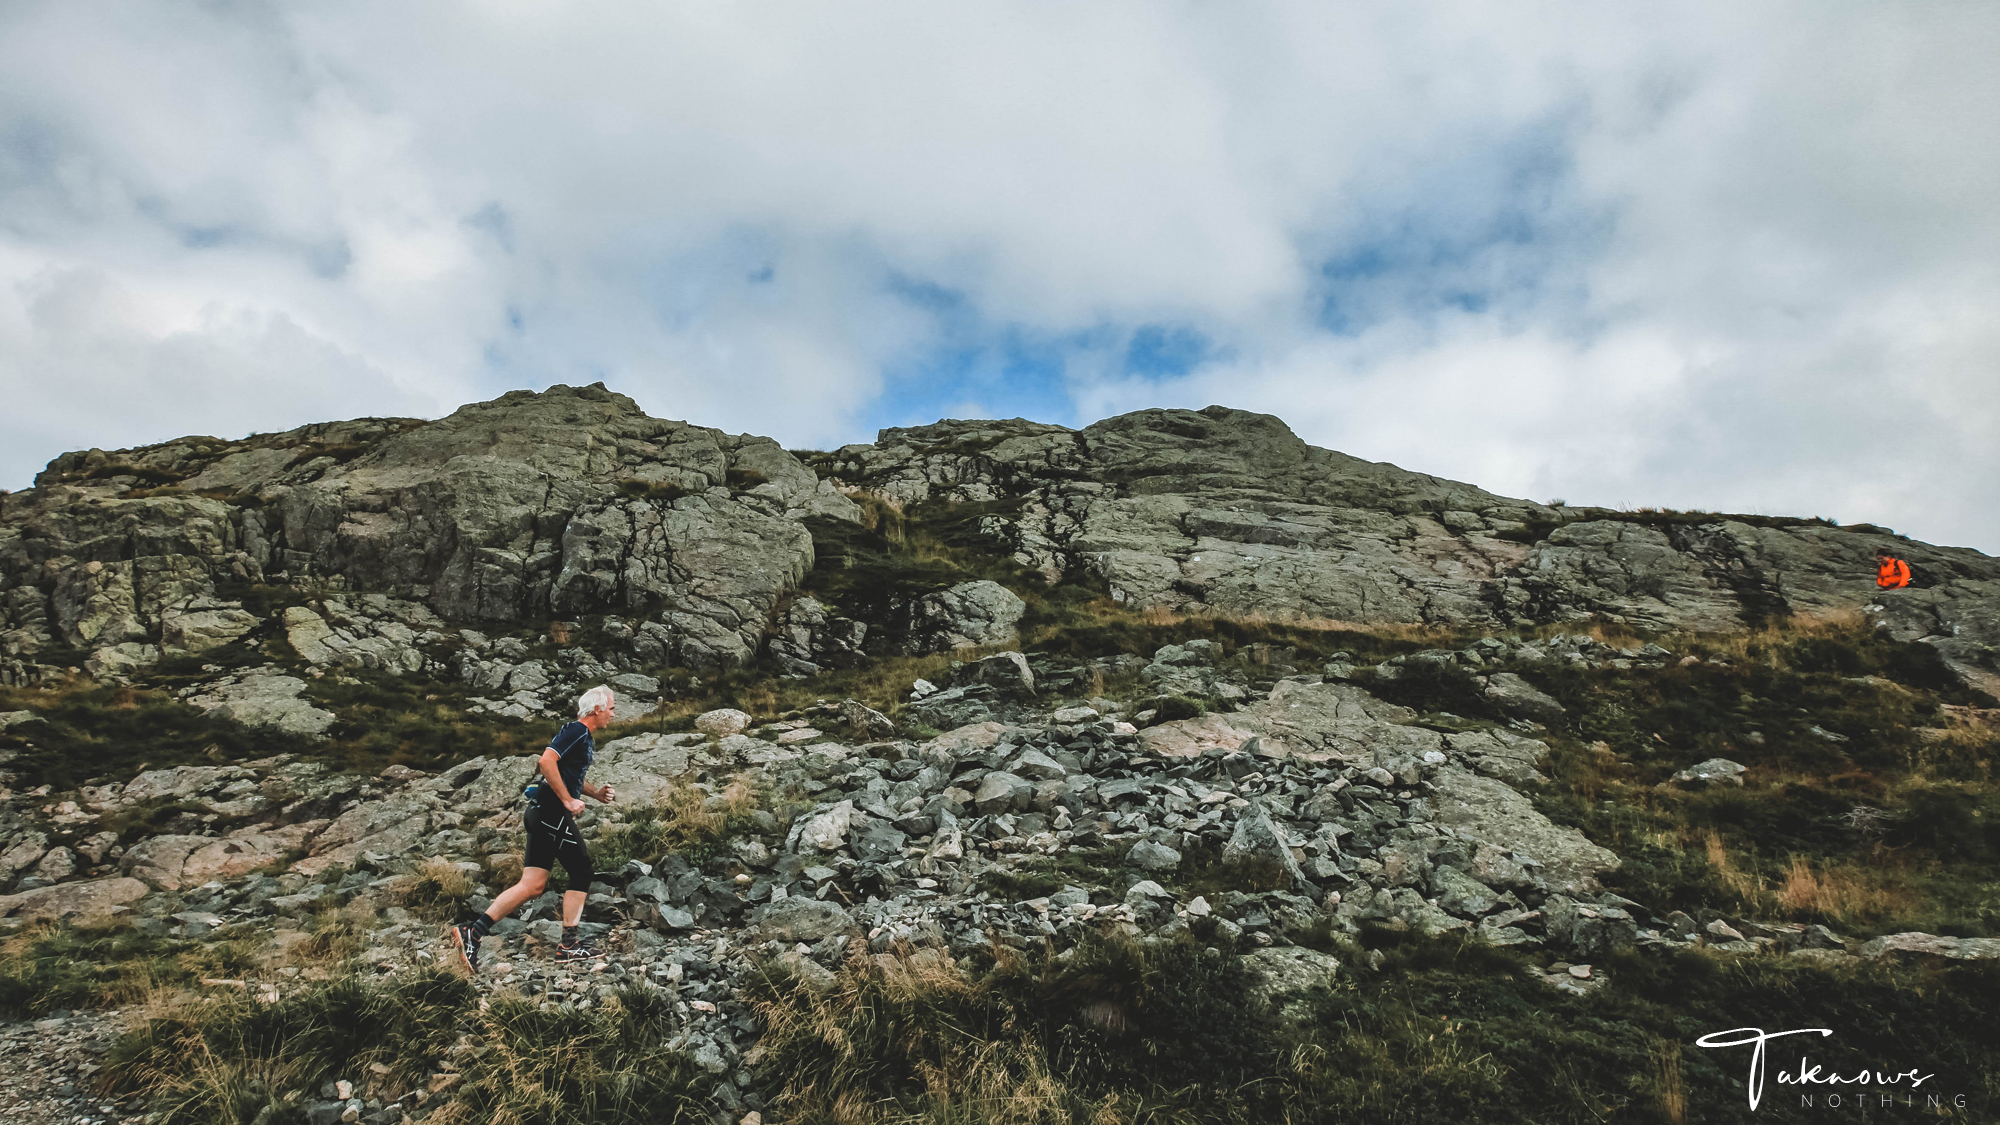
(1226, 511)
(572, 501)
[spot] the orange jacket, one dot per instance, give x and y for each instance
(1892, 574)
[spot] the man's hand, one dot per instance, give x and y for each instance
(606, 794)
(574, 806)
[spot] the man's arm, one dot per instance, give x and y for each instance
(552, 774)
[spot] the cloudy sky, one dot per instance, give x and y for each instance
(1721, 256)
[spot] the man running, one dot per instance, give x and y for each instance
(554, 800)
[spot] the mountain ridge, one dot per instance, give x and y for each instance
(575, 501)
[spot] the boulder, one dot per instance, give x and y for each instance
(810, 974)
(876, 840)
(96, 898)
(827, 830)
(1257, 839)
(1001, 791)
(26, 850)
(1151, 856)
(955, 707)
(1005, 672)
(56, 865)
(197, 631)
(970, 614)
(801, 919)
(1915, 946)
(1461, 894)
(1282, 979)
(633, 684)
(1588, 931)
(1715, 771)
(722, 722)
(1483, 811)
(269, 700)
(1036, 766)
(307, 632)
(1517, 698)
(865, 721)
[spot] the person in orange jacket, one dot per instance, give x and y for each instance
(1891, 573)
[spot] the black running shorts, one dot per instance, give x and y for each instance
(553, 838)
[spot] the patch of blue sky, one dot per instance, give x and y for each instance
(1009, 369)
(1497, 228)
(1013, 375)
(1167, 351)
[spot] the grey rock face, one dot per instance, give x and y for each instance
(574, 502)
(570, 501)
(809, 636)
(1520, 699)
(266, 700)
(1921, 945)
(1484, 811)
(1228, 511)
(1500, 754)
(966, 615)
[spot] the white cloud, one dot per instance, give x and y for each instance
(1706, 255)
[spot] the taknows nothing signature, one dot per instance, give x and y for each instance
(1756, 1037)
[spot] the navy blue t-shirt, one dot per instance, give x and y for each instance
(575, 750)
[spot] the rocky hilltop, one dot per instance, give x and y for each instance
(574, 502)
(992, 764)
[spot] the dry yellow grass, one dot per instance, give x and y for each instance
(1766, 643)
(1845, 893)
(335, 934)
(433, 891)
(1744, 884)
(966, 1079)
(1668, 1086)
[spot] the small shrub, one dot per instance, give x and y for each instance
(685, 820)
(47, 967)
(1176, 707)
(436, 890)
(230, 1058)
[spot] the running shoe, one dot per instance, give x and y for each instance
(467, 940)
(580, 950)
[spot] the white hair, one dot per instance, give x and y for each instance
(599, 696)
